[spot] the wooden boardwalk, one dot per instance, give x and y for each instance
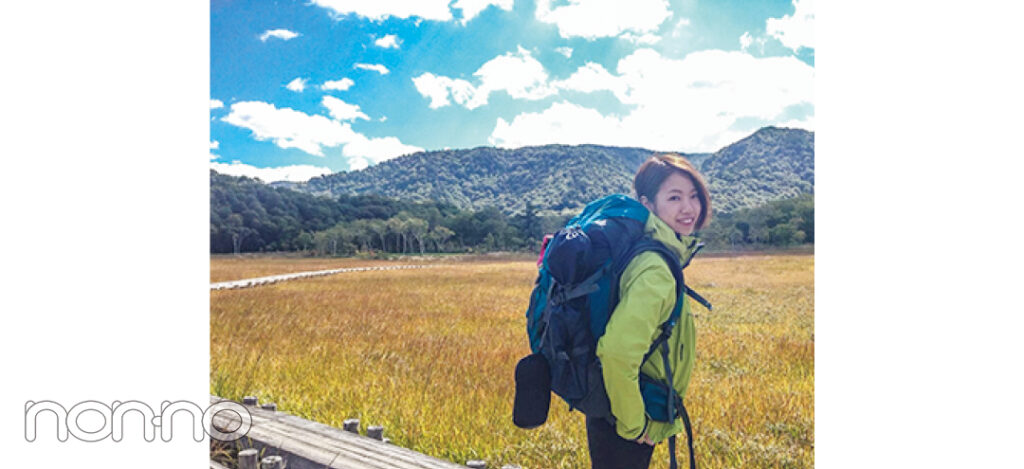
(305, 444)
(253, 282)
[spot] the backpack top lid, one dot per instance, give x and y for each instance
(615, 205)
(599, 233)
(568, 257)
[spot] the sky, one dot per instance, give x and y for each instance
(304, 88)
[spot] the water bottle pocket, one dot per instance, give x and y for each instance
(655, 395)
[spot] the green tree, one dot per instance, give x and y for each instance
(380, 229)
(440, 235)
(396, 226)
(417, 229)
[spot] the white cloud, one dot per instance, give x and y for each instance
(438, 89)
(516, 73)
(434, 88)
(437, 10)
(380, 10)
(289, 128)
(697, 103)
(216, 104)
(593, 77)
(295, 173)
(375, 67)
(342, 111)
(278, 33)
(645, 39)
(355, 164)
(297, 85)
(377, 149)
(383, 118)
(214, 145)
(563, 122)
(796, 30)
(747, 40)
(340, 85)
(388, 41)
(592, 19)
(680, 25)
(566, 51)
(472, 8)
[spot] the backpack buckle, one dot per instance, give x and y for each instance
(558, 296)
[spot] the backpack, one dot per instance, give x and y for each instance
(574, 296)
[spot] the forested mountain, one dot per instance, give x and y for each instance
(553, 177)
(493, 199)
(772, 163)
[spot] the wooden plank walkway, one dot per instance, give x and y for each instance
(253, 282)
(305, 444)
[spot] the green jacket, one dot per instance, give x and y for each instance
(647, 296)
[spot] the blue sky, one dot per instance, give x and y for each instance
(302, 88)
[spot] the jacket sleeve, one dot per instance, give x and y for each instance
(647, 295)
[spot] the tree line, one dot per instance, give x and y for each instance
(778, 223)
(249, 216)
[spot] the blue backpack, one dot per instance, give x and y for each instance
(575, 294)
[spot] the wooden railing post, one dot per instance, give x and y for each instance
(376, 432)
(247, 459)
(351, 425)
(272, 462)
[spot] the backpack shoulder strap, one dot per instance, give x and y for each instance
(647, 244)
(696, 296)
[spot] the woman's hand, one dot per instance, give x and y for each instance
(644, 440)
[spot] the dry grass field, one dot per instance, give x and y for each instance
(430, 355)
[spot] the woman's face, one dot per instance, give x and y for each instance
(676, 203)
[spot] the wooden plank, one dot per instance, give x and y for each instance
(324, 446)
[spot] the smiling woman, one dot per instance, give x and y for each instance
(670, 187)
(609, 320)
(675, 193)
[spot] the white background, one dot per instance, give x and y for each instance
(105, 137)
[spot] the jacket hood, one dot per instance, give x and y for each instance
(684, 246)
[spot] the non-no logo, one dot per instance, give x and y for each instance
(114, 415)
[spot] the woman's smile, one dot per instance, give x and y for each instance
(677, 204)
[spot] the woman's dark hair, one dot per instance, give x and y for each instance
(657, 168)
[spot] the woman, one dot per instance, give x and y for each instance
(675, 193)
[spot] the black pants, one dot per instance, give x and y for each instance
(608, 450)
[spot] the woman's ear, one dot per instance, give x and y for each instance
(647, 203)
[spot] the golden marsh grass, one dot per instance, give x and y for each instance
(430, 355)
